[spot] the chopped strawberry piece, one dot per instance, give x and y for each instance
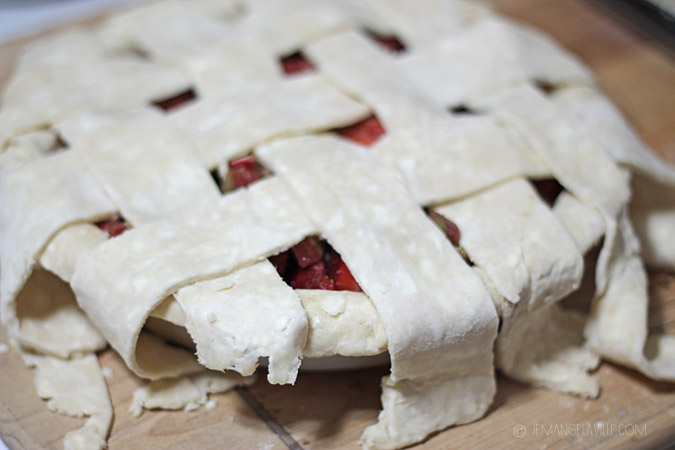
(549, 189)
(280, 262)
(313, 277)
(340, 273)
(247, 161)
(174, 102)
(365, 132)
(315, 266)
(296, 63)
(308, 251)
(114, 227)
(390, 43)
(242, 172)
(447, 226)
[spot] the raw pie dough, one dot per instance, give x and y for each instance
(195, 260)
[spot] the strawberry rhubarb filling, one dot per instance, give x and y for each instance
(114, 226)
(388, 42)
(314, 264)
(296, 63)
(242, 172)
(446, 225)
(365, 132)
(451, 231)
(171, 103)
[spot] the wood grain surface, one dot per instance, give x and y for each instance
(330, 411)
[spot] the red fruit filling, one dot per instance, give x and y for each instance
(296, 63)
(313, 277)
(174, 102)
(313, 264)
(338, 271)
(365, 132)
(447, 226)
(308, 251)
(390, 43)
(114, 227)
(549, 189)
(242, 172)
(281, 262)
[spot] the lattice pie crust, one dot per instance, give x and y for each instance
(467, 108)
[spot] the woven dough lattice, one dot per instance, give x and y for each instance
(155, 172)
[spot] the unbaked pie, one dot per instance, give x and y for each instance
(276, 179)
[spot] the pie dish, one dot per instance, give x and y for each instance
(254, 179)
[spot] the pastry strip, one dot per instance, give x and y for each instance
(436, 158)
(147, 167)
(654, 215)
(511, 234)
(189, 392)
(491, 54)
(458, 68)
(654, 219)
(169, 31)
(577, 161)
(583, 223)
(68, 246)
(50, 322)
(166, 178)
(422, 23)
(545, 60)
(287, 26)
(76, 388)
(221, 127)
(158, 258)
(532, 262)
(52, 85)
(597, 114)
(434, 154)
(361, 68)
(339, 322)
(238, 318)
(429, 300)
(617, 326)
(32, 188)
(230, 64)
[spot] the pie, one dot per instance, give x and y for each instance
(202, 184)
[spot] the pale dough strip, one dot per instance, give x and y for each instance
(75, 387)
(530, 260)
(51, 86)
(228, 125)
(238, 318)
(433, 152)
(158, 258)
(39, 198)
(429, 300)
(340, 322)
(617, 326)
(151, 171)
(147, 167)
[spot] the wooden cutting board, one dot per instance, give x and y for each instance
(329, 411)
